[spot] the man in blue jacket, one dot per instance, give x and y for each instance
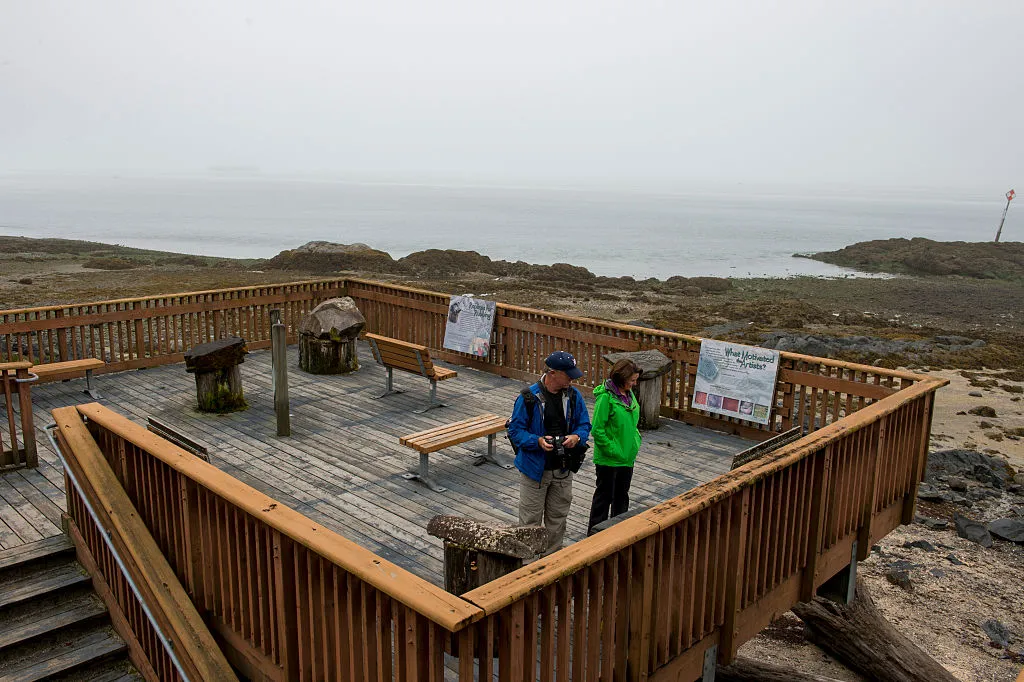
(557, 411)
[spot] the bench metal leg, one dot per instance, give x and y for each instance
(389, 386)
(489, 457)
(88, 386)
(433, 399)
(423, 475)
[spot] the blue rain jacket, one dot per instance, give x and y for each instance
(525, 428)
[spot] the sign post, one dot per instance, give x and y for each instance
(1009, 197)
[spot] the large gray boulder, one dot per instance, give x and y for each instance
(337, 319)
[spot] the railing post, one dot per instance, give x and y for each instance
(193, 562)
(878, 439)
(910, 499)
(62, 337)
(284, 605)
(729, 640)
(822, 492)
(641, 595)
(28, 427)
(140, 338)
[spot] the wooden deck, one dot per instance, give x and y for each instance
(342, 464)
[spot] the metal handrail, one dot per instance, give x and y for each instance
(168, 644)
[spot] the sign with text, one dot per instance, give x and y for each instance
(735, 380)
(469, 325)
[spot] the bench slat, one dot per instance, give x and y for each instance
(446, 436)
(403, 362)
(467, 423)
(382, 340)
(51, 368)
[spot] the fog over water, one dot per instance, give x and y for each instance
(738, 233)
(630, 137)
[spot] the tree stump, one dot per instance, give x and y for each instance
(218, 376)
(653, 365)
(476, 552)
(327, 337)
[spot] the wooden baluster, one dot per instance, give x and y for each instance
(823, 493)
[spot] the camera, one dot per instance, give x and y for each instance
(560, 458)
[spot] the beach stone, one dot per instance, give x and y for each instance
(900, 578)
(983, 411)
(968, 464)
(920, 544)
(997, 632)
(953, 560)
(1008, 529)
(937, 572)
(929, 493)
(956, 483)
(972, 530)
(973, 394)
(934, 524)
(337, 319)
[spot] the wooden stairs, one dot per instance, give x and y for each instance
(53, 626)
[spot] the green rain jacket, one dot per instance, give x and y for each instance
(615, 433)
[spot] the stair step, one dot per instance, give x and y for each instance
(37, 584)
(66, 654)
(37, 617)
(33, 551)
(117, 670)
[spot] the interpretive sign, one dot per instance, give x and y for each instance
(735, 380)
(470, 321)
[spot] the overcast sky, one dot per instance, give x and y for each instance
(875, 93)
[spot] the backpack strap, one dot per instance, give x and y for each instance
(529, 399)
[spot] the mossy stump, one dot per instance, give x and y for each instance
(218, 374)
(327, 337)
(220, 391)
(327, 356)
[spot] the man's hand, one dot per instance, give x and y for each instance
(545, 443)
(571, 441)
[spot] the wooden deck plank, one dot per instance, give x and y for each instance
(342, 464)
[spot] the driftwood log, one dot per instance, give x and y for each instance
(864, 641)
(749, 670)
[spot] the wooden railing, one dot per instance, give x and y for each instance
(810, 392)
(16, 383)
(287, 598)
(145, 332)
(645, 599)
(149, 331)
(167, 640)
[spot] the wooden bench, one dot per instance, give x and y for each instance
(409, 357)
(440, 437)
(71, 368)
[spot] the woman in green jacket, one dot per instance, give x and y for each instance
(616, 441)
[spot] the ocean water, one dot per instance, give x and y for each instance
(738, 232)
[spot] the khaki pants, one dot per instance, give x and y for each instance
(546, 504)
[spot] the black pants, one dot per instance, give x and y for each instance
(612, 493)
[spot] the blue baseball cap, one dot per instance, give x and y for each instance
(564, 362)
